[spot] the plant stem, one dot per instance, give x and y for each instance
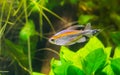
(1, 16)
(29, 56)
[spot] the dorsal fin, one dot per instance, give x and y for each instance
(88, 26)
(76, 27)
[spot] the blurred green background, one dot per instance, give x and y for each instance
(26, 25)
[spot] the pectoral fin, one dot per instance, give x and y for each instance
(83, 39)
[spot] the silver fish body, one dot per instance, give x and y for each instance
(71, 36)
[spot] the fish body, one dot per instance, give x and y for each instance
(73, 35)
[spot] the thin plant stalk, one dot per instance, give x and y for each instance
(1, 24)
(2, 29)
(25, 9)
(29, 56)
(41, 23)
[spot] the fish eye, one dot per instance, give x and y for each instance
(52, 40)
(95, 31)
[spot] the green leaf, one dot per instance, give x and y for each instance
(115, 64)
(93, 43)
(66, 68)
(83, 19)
(108, 70)
(66, 53)
(72, 70)
(108, 51)
(37, 73)
(93, 61)
(117, 53)
(28, 30)
(33, 7)
(92, 53)
(51, 72)
(59, 68)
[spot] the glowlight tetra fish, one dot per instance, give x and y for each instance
(73, 34)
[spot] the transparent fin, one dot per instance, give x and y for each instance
(88, 26)
(76, 27)
(83, 39)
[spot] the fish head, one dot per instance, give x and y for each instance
(96, 31)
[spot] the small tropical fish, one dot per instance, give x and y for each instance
(73, 34)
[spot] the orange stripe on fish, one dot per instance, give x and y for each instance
(66, 34)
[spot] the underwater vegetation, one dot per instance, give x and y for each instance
(93, 59)
(28, 27)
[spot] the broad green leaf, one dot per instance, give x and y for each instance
(93, 61)
(93, 43)
(37, 73)
(72, 70)
(51, 72)
(115, 64)
(66, 68)
(55, 62)
(28, 30)
(72, 57)
(66, 53)
(108, 70)
(108, 51)
(117, 53)
(58, 67)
